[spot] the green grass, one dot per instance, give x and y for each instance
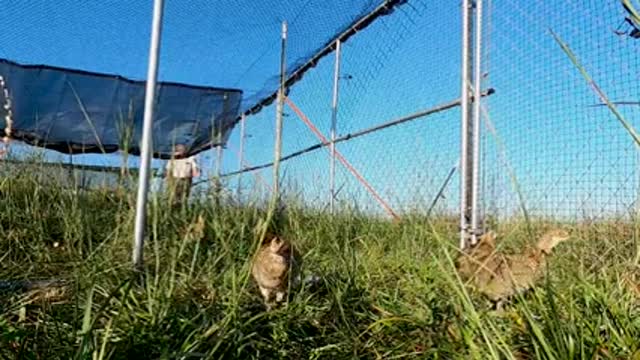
(387, 291)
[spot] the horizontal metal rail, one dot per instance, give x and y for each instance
(398, 121)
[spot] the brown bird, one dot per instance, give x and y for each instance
(501, 276)
(276, 262)
(477, 263)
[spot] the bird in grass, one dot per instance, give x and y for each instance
(477, 262)
(499, 276)
(276, 262)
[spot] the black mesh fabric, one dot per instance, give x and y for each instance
(73, 111)
(225, 43)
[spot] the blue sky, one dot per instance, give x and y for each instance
(570, 158)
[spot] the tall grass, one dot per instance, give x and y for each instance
(388, 290)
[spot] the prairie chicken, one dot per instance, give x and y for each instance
(276, 262)
(500, 276)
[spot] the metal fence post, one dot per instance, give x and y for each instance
(334, 119)
(241, 154)
(220, 150)
(465, 159)
(279, 113)
(147, 127)
(477, 99)
(219, 157)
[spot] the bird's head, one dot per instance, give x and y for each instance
(552, 238)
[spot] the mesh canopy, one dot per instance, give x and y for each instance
(229, 44)
(226, 44)
(78, 112)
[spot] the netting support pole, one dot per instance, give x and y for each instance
(465, 158)
(71, 173)
(241, 154)
(218, 159)
(477, 99)
(279, 114)
(334, 120)
(8, 118)
(220, 150)
(147, 127)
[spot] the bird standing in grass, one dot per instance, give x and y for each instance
(277, 261)
(499, 276)
(477, 263)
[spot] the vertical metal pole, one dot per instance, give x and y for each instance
(219, 150)
(636, 215)
(214, 139)
(8, 118)
(143, 184)
(72, 173)
(464, 135)
(334, 119)
(279, 110)
(477, 98)
(241, 154)
(219, 158)
(217, 184)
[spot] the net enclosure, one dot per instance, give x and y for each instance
(64, 98)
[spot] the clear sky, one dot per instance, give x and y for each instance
(570, 158)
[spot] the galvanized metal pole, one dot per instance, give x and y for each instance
(636, 216)
(147, 127)
(334, 119)
(219, 158)
(464, 135)
(72, 173)
(217, 184)
(279, 110)
(477, 98)
(220, 153)
(213, 136)
(241, 154)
